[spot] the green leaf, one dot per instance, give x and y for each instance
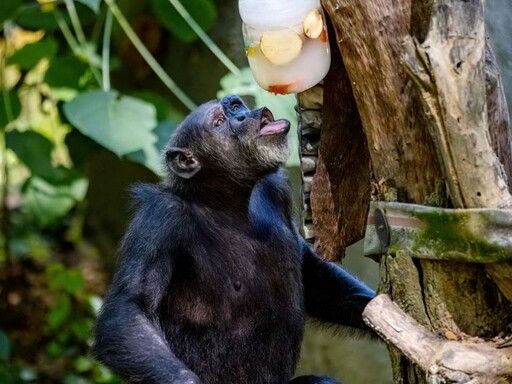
(28, 56)
(163, 131)
(83, 364)
(48, 203)
(81, 148)
(282, 107)
(59, 313)
(55, 349)
(204, 12)
(149, 157)
(92, 4)
(8, 8)
(81, 328)
(164, 109)
(95, 302)
(33, 149)
(5, 346)
(34, 18)
(122, 124)
(65, 72)
(13, 103)
(67, 280)
(104, 375)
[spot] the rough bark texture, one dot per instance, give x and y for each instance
(441, 295)
(469, 129)
(342, 177)
(369, 36)
(449, 68)
(497, 113)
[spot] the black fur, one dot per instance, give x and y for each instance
(214, 282)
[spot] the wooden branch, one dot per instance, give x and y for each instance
(445, 361)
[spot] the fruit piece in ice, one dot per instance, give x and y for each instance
(251, 51)
(279, 89)
(281, 46)
(314, 24)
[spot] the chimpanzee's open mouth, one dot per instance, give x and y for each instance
(271, 127)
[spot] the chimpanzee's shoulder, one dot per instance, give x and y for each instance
(271, 198)
(154, 200)
(144, 193)
(277, 182)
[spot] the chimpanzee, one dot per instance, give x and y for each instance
(214, 281)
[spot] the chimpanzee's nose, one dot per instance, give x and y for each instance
(234, 107)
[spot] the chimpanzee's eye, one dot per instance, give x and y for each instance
(218, 122)
(235, 107)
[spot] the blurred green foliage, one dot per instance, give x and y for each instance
(60, 104)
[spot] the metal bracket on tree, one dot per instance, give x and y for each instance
(471, 235)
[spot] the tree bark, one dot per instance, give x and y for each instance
(342, 176)
(441, 295)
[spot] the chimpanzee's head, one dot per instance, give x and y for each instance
(225, 138)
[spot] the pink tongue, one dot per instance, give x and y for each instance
(273, 127)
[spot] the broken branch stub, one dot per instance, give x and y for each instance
(444, 361)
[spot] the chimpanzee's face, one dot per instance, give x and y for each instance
(226, 134)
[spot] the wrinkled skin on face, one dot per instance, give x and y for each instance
(226, 138)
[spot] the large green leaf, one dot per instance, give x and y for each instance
(81, 148)
(122, 124)
(149, 157)
(164, 130)
(13, 103)
(282, 107)
(47, 203)
(8, 8)
(204, 12)
(28, 56)
(168, 117)
(65, 72)
(33, 149)
(34, 18)
(164, 109)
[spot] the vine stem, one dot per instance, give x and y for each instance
(73, 43)
(214, 48)
(105, 55)
(4, 209)
(75, 21)
(66, 32)
(148, 57)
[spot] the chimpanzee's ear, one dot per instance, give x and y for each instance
(182, 162)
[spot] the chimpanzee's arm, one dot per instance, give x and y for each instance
(128, 338)
(331, 293)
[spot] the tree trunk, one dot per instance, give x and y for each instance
(431, 144)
